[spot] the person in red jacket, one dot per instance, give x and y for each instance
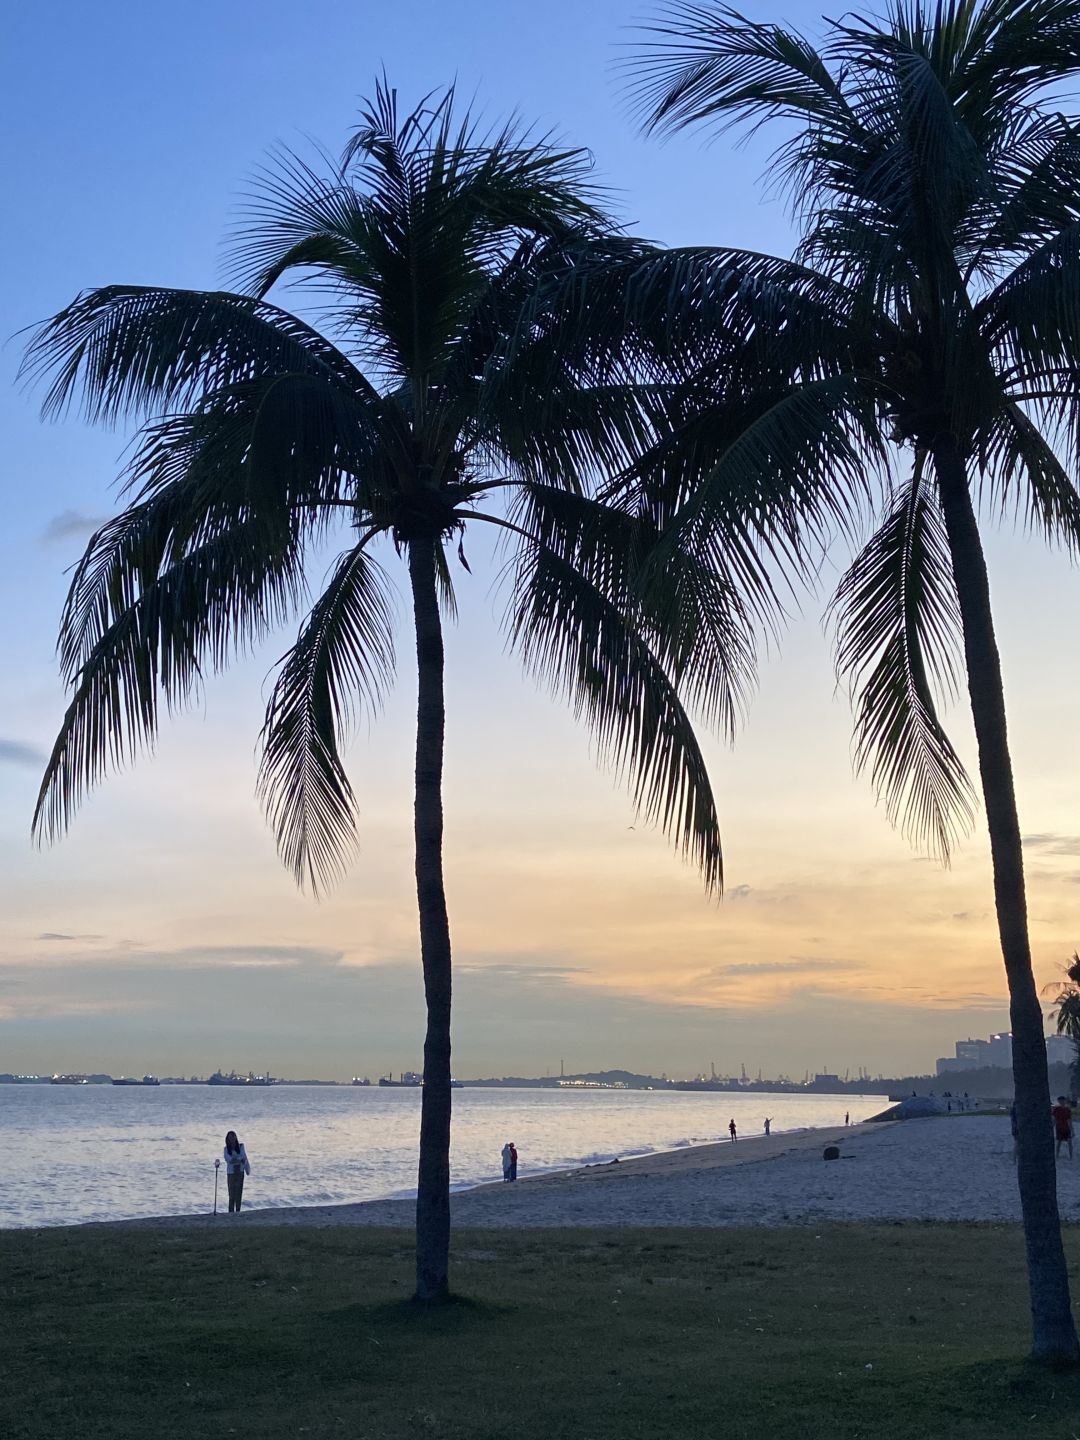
(1063, 1126)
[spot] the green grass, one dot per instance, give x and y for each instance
(565, 1335)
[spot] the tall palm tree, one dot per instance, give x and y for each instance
(1066, 1011)
(929, 327)
(429, 401)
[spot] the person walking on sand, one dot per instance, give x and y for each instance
(1063, 1126)
(732, 1131)
(768, 1127)
(847, 1117)
(236, 1167)
(506, 1158)
(513, 1161)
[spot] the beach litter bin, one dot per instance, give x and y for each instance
(831, 1152)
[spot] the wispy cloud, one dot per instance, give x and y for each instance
(797, 965)
(70, 525)
(18, 752)
(104, 951)
(1050, 843)
(509, 971)
(274, 957)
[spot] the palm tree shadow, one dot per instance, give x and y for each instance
(457, 1315)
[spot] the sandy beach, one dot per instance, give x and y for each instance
(936, 1169)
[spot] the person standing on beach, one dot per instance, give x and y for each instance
(768, 1127)
(847, 1117)
(732, 1131)
(513, 1161)
(1063, 1126)
(236, 1167)
(507, 1154)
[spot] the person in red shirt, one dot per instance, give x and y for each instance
(1063, 1126)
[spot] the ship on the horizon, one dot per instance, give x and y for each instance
(130, 1080)
(232, 1078)
(409, 1080)
(69, 1080)
(360, 1080)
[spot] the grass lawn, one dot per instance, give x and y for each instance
(844, 1331)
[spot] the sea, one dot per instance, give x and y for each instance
(76, 1153)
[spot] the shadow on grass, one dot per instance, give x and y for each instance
(1004, 1385)
(459, 1314)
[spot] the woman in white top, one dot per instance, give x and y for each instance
(236, 1167)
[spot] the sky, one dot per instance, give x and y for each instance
(162, 933)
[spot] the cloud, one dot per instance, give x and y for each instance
(739, 893)
(126, 955)
(1053, 844)
(17, 752)
(271, 957)
(69, 525)
(508, 971)
(797, 965)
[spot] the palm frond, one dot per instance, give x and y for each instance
(1011, 53)
(687, 609)
(407, 232)
(682, 313)
(899, 637)
(264, 458)
(582, 645)
(152, 631)
(708, 64)
(1036, 190)
(1022, 472)
(138, 350)
(343, 658)
(772, 477)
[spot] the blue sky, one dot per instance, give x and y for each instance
(177, 940)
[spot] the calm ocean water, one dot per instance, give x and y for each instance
(101, 1152)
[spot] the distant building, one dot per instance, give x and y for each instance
(996, 1054)
(1060, 1050)
(999, 1053)
(948, 1066)
(972, 1052)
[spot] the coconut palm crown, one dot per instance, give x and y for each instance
(1066, 1011)
(929, 329)
(428, 400)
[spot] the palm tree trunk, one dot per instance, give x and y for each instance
(433, 1182)
(1054, 1335)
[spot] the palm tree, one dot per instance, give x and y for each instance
(1066, 1010)
(929, 329)
(430, 390)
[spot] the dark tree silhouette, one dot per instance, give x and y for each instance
(929, 331)
(1066, 1011)
(446, 399)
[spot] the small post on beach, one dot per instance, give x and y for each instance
(217, 1171)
